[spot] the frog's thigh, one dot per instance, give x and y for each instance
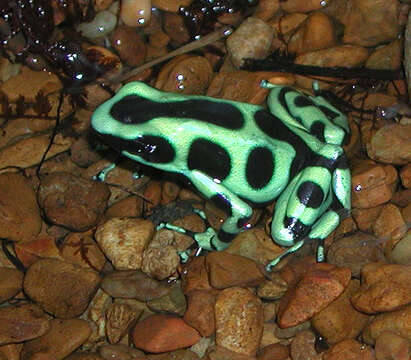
(239, 211)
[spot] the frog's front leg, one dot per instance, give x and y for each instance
(313, 203)
(238, 211)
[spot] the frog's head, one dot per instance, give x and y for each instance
(123, 122)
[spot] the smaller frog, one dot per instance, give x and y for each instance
(240, 155)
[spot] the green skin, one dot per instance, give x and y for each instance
(241, 155)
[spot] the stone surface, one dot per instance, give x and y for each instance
(133, 285)
(74, 202)
(62, 339)
(23, 322)
(11, 283)
(349, 349)
(60, 288)
(19, 213)
(311, 292)
(303, 346)
(123, 241)
(340, 320)
(227, 270)
(200, 311)
(161, 333)
(384, 287)
(390, 346)
(239, 320)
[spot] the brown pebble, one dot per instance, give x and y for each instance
(160, 333)
(72, 287)
(129, 45)
(274, 351)
(349, 349)
(390, 346)
(11, 283)
(62, 339)
(22, 322)
(239, 320)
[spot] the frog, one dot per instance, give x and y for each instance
(241, 156)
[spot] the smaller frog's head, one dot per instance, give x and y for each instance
(124, 123)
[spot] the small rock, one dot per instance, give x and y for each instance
(274, 351)
(133, 285)
(303, 6)
(29, 83)
(175, 28)
(200, 311)
(170, 5)
(292, 331)
(11, 283)
(303, 346)
(21, 323)
(123, 241)
(135, 12)
(365, 217)
(10, 351)
(20, 215)
(398, 321)
(102, 24)
(84, 356)
(72, 287)
(317, 32)
(129, 45)
(245, 86)
(387, 57)
(120, 352)
(340, 320)
(119, 319)
(405, 175)
(239, 320)
(384, 287)
(272, 289)
(349, 349)
(72, 201)
(62, 339)
(355, 251)
(161, 333)
(315, 290)
(82, 250)
(391, 144)
(252, 39)
(172, 303)
(221, 353)
(131, 206)
(390, 346)
(160, 262)
(185, 74)
(195, 276)
(372, 184)
(371, 22)
(401, 253)
(227, 270)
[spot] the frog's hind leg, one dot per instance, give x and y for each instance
(311, 205)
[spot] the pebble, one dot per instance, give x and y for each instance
(103, 24)
(135, 12)
(387, 56)
(11, 283)
(384, 287)
(401, 253)
(133, 284)
(349, 349)
(185, 74)
(29, 151)
(84, 356)
(195, 276)
(123, 241)
(391, 144)
(370, 23)
(274, 352)
(20, 220)
(174, 27)
(398, 321)
(227, 270)
(22, 322)
(82, 250)
(160, 262)
(10, 351)
(160, 333)
(119, 318)
(221, 353)
(372, 184)
(129, 45)
(252, 39)
(131, 206)
(303, 346)
(354, 251)
(53, 345)
(120, 352)
(315, 289)
(245, 86)
(170, 5)
(239, 320)
(340, 320)
(272, 289)
(392, 346)
(405, 175)
(317, 32)
(302, 6)
(200, 311)
(172, 303)
(72, 290)
(71, 201)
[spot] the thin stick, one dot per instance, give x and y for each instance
(206, 40)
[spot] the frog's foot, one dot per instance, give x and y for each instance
(290, 250)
